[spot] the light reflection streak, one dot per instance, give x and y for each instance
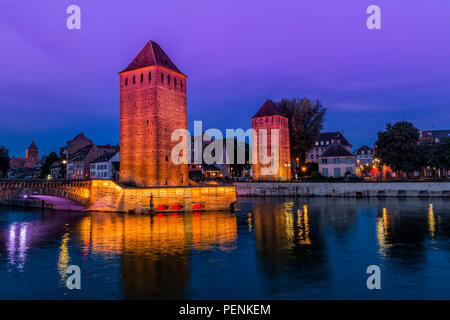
(303, 225)
(17, 254)
(64, 258)
(431, 221)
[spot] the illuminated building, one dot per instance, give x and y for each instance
(268, 118)
(152, 106)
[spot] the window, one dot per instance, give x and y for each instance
(126, 81)
(168, 79)
(149, 76)
(181, 85)
(349, 170)
(167, 158)
(337, 172)
(142, 77)
(134, 79)
(175, 82)
(325, 172)
(162, 76)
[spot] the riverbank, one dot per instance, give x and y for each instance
(343, 189)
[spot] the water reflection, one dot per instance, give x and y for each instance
(154, 249)
(289, 245)
(17, 245)
(273, 248)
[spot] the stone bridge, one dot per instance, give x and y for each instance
(107, 195)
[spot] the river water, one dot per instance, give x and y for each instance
(272, 248)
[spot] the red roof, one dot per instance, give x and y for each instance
(268, 109)
(151, 55)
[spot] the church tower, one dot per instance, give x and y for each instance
(267, 118)
(32, 154)
(152, 106)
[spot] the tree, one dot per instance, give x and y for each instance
(305, 122)
(440, 157)
(4, 162)
(45, 171)
(397, 147)
(444, 153)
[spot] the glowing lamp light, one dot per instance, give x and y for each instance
(162, 207)
(198, 206)
(177, 207)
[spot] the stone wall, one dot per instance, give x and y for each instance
(109, 196)
(275, 122)
(344, 189)
(150, 110)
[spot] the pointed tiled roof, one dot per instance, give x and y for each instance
(336, 150)
(336, 136)
(268, 109)
(32, 146)
(151, 55)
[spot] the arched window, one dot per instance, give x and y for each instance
(168, 79)
(162, 76)
(126, 81)
(142, 77)
(134, 79)
(175, 82)
(149, 76)
(181, 85)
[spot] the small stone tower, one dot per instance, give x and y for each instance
(32, 154)
(152, 106)
(268, 117)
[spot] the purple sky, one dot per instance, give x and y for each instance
(57, 82)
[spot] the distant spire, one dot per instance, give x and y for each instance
(32, 146)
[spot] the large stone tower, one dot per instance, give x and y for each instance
(268, 118)
(152, 106)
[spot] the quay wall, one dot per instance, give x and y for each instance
(107, 195)
(343, 189)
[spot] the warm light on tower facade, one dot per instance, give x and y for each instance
(269, 118)
(152, 106)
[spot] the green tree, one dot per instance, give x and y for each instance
(4, 162)
(397, 146)
(305, 122)
(440, 157)
(45, 171)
